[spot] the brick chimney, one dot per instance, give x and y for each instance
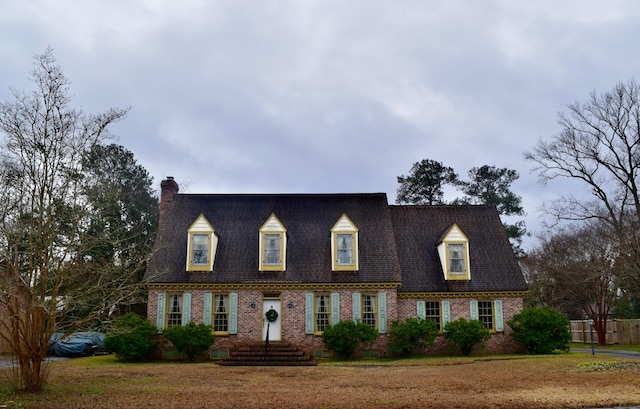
(168, 189)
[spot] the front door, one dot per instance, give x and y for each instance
(274, 327)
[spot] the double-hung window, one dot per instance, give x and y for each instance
(272, 249)
(322, 312)
(201, 245)
(344, 245)
(345, 249)
(456, 258)
(453, 250)
(174, 310)
(369, 310)
(432, 312)
(200, 250)
(221, 313)
(273, 245)
(485, 313)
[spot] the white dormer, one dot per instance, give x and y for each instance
(344, 245)
(201, 245)
(272, 245)
(453, 250)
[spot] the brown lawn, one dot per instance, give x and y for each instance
(560, 381)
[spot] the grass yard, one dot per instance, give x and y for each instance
(558, 381)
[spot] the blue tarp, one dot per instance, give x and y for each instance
(76, 344)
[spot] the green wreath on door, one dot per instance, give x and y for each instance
(271, 315)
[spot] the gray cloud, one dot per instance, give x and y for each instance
(327, 96)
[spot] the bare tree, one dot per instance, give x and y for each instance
(42, 211)
(599, 146)
(576, 270)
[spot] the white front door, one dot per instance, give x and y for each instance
(274, 327)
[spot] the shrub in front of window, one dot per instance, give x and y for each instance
(465, 334)
(344, 337)
(190, 339)
(405, 337)
(131, 338)
(542, 330)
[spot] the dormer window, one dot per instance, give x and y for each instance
(201, 245)
(456, 258)
(273, 245)
(200, 250)
(344, 245)
(453, 250)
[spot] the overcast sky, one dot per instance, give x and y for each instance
(259, 96)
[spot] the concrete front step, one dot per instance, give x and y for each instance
(276, 354)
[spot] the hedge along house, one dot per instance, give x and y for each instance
(285, 266)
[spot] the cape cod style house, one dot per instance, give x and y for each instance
(285, 266)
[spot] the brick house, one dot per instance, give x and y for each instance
(316, 259)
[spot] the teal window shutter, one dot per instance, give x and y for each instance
(206, 311)
(446, 313)
(309, 327)
(382, 313)
(335, 308)
(355, 307)
(497, 308)
(233, 313)
(186, 308)
(421, 312)
(473, 309)
(162, 306)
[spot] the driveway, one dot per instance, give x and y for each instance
(609, 352)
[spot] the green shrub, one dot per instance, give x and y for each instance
(190, 339)
(541, 329)
(413, 333)
(466, 334)
(344, 337)
(131, 338)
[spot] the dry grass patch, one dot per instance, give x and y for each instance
(563, 381)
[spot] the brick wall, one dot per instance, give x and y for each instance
(250, 319)
(459, 308)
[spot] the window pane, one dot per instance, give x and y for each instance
(322, 311)
(433, 312)
(200, 250)
(272, 249)
(221, 313)
(485, 313)
(174, 310)
(345, 248)
(369, 309)
(456, 258)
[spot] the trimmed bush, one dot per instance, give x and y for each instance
(466, 334)
(190, 339)
(413, 333)
(131, 338)
(541, 329)
(344, 337)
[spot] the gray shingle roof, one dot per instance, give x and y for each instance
(308, 219)
(418, 229)
(396, 243)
